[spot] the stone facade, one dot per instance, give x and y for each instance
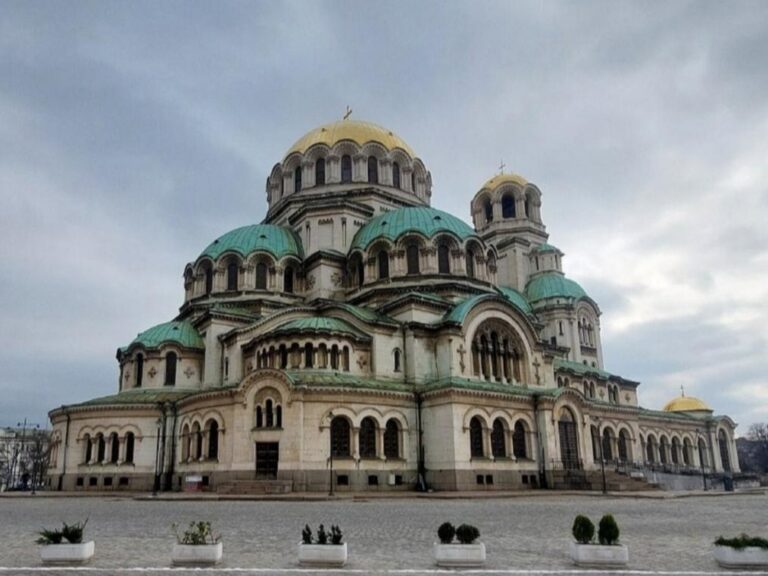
(361, 336)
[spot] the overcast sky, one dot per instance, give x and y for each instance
(134, 133)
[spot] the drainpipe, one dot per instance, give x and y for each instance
(64, 459)
(171, 464)
(540, 444)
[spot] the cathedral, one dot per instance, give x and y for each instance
(360, 340)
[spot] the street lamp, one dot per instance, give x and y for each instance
(701, 459)
(602, 458)
(330, 460)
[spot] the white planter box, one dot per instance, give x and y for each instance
(202, 554)
(461, 555)
(746, 558)
(323, 554)
(67, 553)
(597, 555)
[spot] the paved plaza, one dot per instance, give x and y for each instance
(389, 535)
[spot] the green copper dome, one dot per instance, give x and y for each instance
(176, 332)
(545, 248)
(276, 240)
(425, 221)
(516, 298)
(552, 285)
(319, 324)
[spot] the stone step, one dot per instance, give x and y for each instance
(255, 487)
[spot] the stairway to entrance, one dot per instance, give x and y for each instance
(255, 487)
(593, 480)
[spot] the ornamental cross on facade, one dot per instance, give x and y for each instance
(188, 372)
(501, 167)
(536, 365)
(461, 352)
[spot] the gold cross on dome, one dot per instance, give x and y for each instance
(501, 167)
(682, 390)
(348, 113)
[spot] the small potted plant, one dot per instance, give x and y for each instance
(607, 553)
(741, 552)
(322, 552)
(197, 545)
(65, 546)
(467, 553)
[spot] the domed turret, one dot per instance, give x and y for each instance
(685, 403)
(361, 133)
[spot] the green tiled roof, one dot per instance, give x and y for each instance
(363, 313)
(275, 240)
(322, 324)
(552, 285)
(488, 386)
(460, 311)
(543, 248)
(581, 369)
(344, 380)
(425, 221)
(516, 298)
(138, 396)
(178, 332)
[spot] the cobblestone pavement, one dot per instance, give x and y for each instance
(385, 536)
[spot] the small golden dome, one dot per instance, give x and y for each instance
(686, 404)
(500, 179)
(359, 132)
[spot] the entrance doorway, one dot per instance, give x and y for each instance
(267, 455)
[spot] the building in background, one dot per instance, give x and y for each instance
(23, 457)
(359, 339)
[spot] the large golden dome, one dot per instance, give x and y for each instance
(355, 130)
(500, 179)
(686, 404)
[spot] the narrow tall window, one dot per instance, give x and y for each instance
(320, 172)
(373, 170)
(392, 439)
(88, 449)
(443, 259)
(360, 274)
(498, 440)
(259, 417)
(130, 441)
(279, 416)
(139, 370)
(297, 179)
(309, 355)
(345, 359)
(270, 414)
(470, 264)
(412, 255)
(413, 182)
(232, 276)
(368, 438)
(114, 448)
(334, 357)
(288, 280)
(488, 209)
(340, 437)
(170, 368)
(396, 175)
(519, 445)
(346, 169)
(397, 360)
(508, 206)
(383, 259)
(527, 208)
(476, 438)
(261, 276)
(213, 440)
(208, 280)
(101, 448)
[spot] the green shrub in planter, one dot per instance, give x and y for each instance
(322, 535)
(608, 531)
(743, 541)
(583, 530)
(198, 534)
(69, 533)
(446, 532)
(336, 535)
(466, 533)
(306, 534)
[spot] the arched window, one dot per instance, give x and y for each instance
(232, 276)
(413, 182)
(322, 356)
(498, 439)
(397, 360)
(114, 448)
(725, 457)
(270, 415)
(476, 438)
(208, 280)
(383, 259)
(279, 416)
(368, 438)
(360, 273)
(101, 448)
(663, 450)
(623, 447)
(470, 264)
(373, 170)
(288, 280)
(412, 256)
(139, 369)
(675, 451)
(320, 172)
(488, 209)
(703, 453)
(259, 417)
(261, 276)
(283, 357)
(346, 169)
(649, 455)
(444, 259)
(396, 175)
(88, 449)
(334, 357)
(297, 179)
(345, 358)
(569, 440)
(213, 440)
(392, 439)
(170, 368)
(607, 445)
(309, 355)
(130, 441)
(340, 437)
(519, 445)
(595, 443)
(687, 451)
(198, 442)
(508, 206)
